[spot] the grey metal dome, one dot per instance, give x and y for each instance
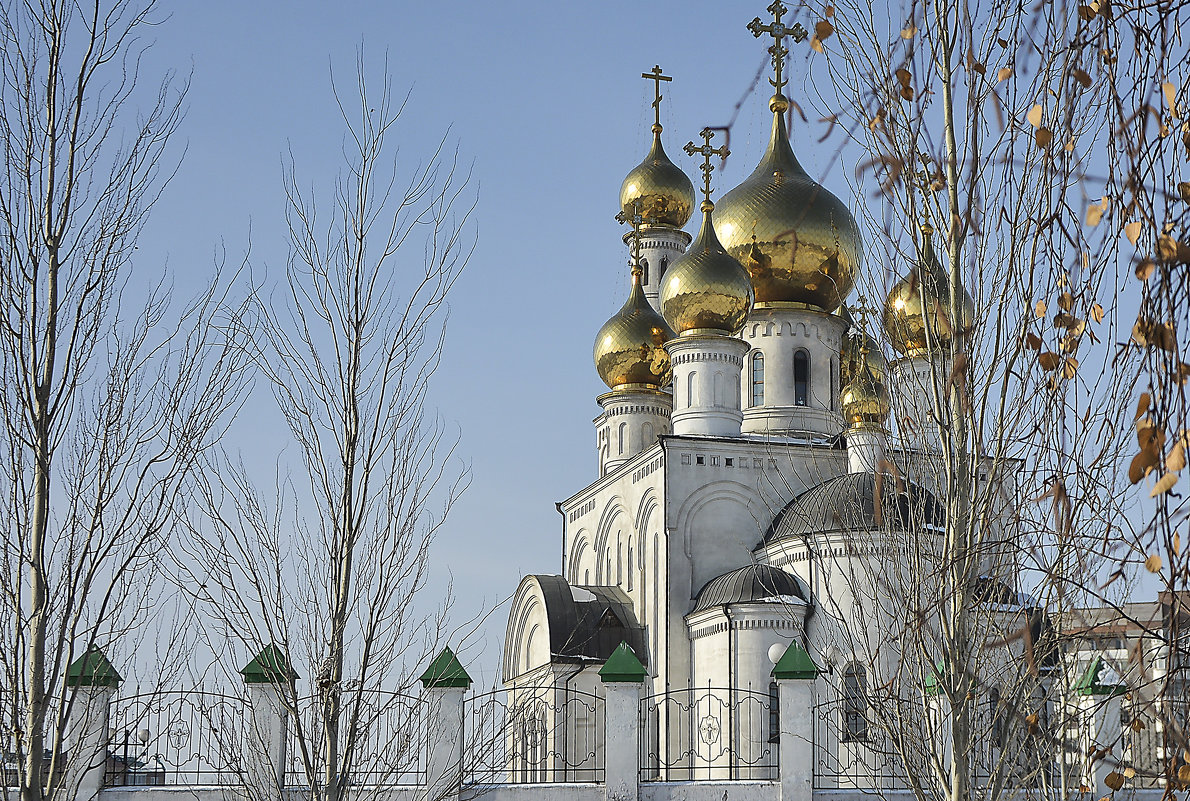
(848, 503)
(751, 583)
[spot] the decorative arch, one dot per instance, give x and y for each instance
(526, 640)
(580, 551)
(726, 550)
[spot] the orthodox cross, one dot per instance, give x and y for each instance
(862, 310)
(706, 151)
(636, 219)
(778, 31)
(656, 77)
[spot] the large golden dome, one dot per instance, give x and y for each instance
(664, 192)
(797, 240)
(865, 399)
(705, 288)
(920, 302)
(628, 348)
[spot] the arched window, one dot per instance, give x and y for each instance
(647, 435)
(623, 437)
(855, 703)
(758, 379)
(801, 378)
(631, 564)
(644, 267)
(664, 265)
(692, 389)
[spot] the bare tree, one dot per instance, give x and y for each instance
(1029, 137)
(329, 564)
(107, 405)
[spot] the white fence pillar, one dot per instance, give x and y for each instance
(795, 674)
(622, 676)
(445, 682)
(94, 682)
(1100, 691)
(267, 722)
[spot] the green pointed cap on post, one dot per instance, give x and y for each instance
(92, 670)
(1100, 679)
(446, 671)
(795, 663)
(623, 666)
(269, 667)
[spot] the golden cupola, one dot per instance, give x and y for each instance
(705, 290)
(864, 399)
(859, 349)
(797, 240)
(918, 306)
(628, 348)
(657, 189)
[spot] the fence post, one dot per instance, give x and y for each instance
(1100, 690)
(622, 676)
(445, 682)
(795, 673)
(95, 682)
(267, 724)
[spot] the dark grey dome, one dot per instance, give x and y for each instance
(751, 583)
(848, 503)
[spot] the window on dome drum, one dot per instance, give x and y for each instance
(664, 265)
(997, 717)
(774, 713)
(644, 272)
(801, 378)
(855, 704)
(758, 379)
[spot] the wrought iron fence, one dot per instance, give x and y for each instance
(385, 735)
(533, 735)
(1152, 738)
(709, 733)
(178, 738)
(851, 754)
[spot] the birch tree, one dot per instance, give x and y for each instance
(108, 401)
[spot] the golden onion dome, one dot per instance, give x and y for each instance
(798, 241)
(865, 400)
(918, 306)
(860, 349)
(628, 348)
(664, 193)
(705, 288)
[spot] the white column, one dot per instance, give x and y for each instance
(445, 758)
(1104, 714)
(88, 737)
(911, 384)
(660, 246)
(632, 420)
(621, 740)
(796, 749)
(866, 446)
(264, 763)
(706, 384)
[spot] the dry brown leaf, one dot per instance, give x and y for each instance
(1034, 115)
(1048, 360)
(1040, 308)
(1097, 313)
(1170, 92)
(1069, 368)
(1176, 460)
(1095, 211)
(909, 32)
(1142, 405)
(1082, 77)
(1086, 13)
(1043, 137)
(1132, 231)
(1177, 549)
(1033, 341)
(823, 30)
(1163, 485)
(1003, 74)
(1065, 301)
(1184, 190)
(1140, 466)
(1153, 563)
(1113, 780)
(1144, 269)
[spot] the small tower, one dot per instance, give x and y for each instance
(706, 296)
(864, 399)
(663, 195)
(920, 324)
(632, 361)
(802, 248)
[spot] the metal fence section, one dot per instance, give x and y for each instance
(850, 754)
(1151, 738)
(385, 734)
(176, 738)
(706, 733)
(533, 735)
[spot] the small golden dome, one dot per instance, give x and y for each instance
(797, 240)
(865, 400)
(859, 348)
(664, 192)
(920, 302)
(628, 348)
(706, 288)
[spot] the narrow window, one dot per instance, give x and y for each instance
(801, 378)
(997, 717)
(758, 379)
(644, 268)
(623, 436)
(835, 388)
(855, 693)
(631, 565)
(664, 265)
(774, 713)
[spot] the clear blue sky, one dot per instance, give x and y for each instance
(547, 101)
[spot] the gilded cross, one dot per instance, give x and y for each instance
(656, 77)
(706, 151)
(861, 309)
(778, 31)
(636, 219)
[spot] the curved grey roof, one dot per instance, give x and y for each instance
(751, 583)
(848, 503)
(588, 622)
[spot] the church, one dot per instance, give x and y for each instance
(745, 474)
